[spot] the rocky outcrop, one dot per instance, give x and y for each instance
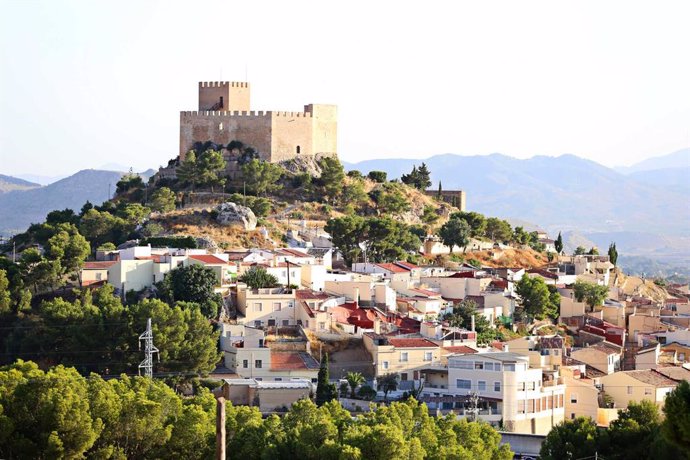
(230, 214)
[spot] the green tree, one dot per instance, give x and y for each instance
(354, 379)
(386, 239)
(462, 317)
(635, 431)
(388, 383)
(325, 391)
(211, 166)
(163, 200)
(261, 176)
(354, 193)
(332, 178)
(580, 251)
(676, 426)
(475, 220)
(389, 199)
(498, 230)
(5, 296)
(101, 227)
(536, 299)
(455, 232)
(571, 439)
(346, 234)
(69, 248)
(188, 171)
(194, 283)
(39, 272)
(613, 253)
(44, 415)
(258, 278)
(378, 176)
(590, 293)
(520, 236)
(593, 251)
(559, 243)
(430, 215)
(133, 213)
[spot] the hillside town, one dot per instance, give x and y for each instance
(252, 291)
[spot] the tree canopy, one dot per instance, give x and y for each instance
(537, 300)
(590, 293)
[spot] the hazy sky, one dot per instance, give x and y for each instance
(86, 83)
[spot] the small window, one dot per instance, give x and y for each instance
(286, 322)
(464, 384)
(298, 149)
(647, 391)
(630, 390)
(258, 306)
(488, 366)
(481, 385)
(479, 365)
(572, 416)
(384, 364)
(257, 323)
(276, 306)
(403, 357)
(271, 322)
(509, 367)
(403, 377)
(278, 379)
(245, 363)
(521, 407)
(497, 386)
(220, 126)
(497, 367)
(573, 398)
(322, 326)
(428, 356)
(257, 364)
(99, 276)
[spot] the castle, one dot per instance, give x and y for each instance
(224, 115)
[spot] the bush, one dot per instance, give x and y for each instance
(378, 176)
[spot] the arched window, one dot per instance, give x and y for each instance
(298, 149)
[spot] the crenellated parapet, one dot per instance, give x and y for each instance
(245, 113)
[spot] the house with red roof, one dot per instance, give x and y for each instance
(225, 271)
(95, 273)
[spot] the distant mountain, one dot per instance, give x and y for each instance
(39, 179)
(561, 193)
(676, 178)
(9, 183)
(19, 209)
(679, 159)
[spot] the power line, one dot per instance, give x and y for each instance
(149, 350)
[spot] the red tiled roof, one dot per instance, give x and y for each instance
(307, 294)
(281, 361)
(460, 349)
(411, 343)
(292, 252)
(209, 259)
(406, 265)
(463, 274)
(392, 268)
(426, 292)
(237, 255)
(543, 273)
(101, 265)
(155, 258)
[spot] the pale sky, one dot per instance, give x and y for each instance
(86, 83)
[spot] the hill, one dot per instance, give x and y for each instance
(21, 208)
(558, 193)
(9, 184)
(676, 178)
(679, 159)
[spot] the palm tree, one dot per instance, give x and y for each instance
(354, 379)
(387, 383)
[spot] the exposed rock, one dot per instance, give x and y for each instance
(205, 242)
(230, 213)
(302, 164)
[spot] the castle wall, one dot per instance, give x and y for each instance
(252, 128)
(324, 128)
(235, 95)
(291, 130)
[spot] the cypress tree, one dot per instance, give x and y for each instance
(439, 194)
(559, 243)
(325, 391)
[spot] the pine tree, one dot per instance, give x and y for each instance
(559, 243)
(325, 391)
(439, 195)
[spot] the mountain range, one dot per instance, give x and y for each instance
(20, 208)
(9, 183)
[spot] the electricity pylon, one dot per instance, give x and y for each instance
(149, 350)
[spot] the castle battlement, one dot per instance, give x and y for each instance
(224, 116)
(244, 113)
(223, 84)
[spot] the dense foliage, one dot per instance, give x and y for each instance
(193, 283)
(537, 299)
(590, 293)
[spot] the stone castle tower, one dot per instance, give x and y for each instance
(224, 115)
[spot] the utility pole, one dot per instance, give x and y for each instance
(149, 350)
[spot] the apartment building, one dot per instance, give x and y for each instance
(404, 356)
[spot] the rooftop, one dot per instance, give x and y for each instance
(651, 377)
(281, 361)
(209, 259)
(99, 265)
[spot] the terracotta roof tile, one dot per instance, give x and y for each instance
(209, 259)
(100, 265)
(392, 268)
(281, 361)
(460, 349)
(411, 343)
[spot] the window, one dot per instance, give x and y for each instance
(510, 367)
(479, 365)
(284, 273)
(322, 325)
(258, 306)
(403, 357)
(463, 365)
(257, 323)
(299, 322)
(556, 352)
(298, 149)
(286, 322)
(278, 379)
(276, 306)
(271, 322)
(257, 364)
(681, 357)
(488, 366)
(537, 402)
(630, 390)
(530, 406)
(428, 356)
(530, 386)
(573, 398)
(647, 391)
(403, 376)
(464, 384)
(481, 385)
(560, 400)
(572, 416)
(497, 367)
(521, 386)
(99, 276)
(384, 364)
(497, 386)
(245, 363)
(290, 304)
(220, 126)
(521, 407)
